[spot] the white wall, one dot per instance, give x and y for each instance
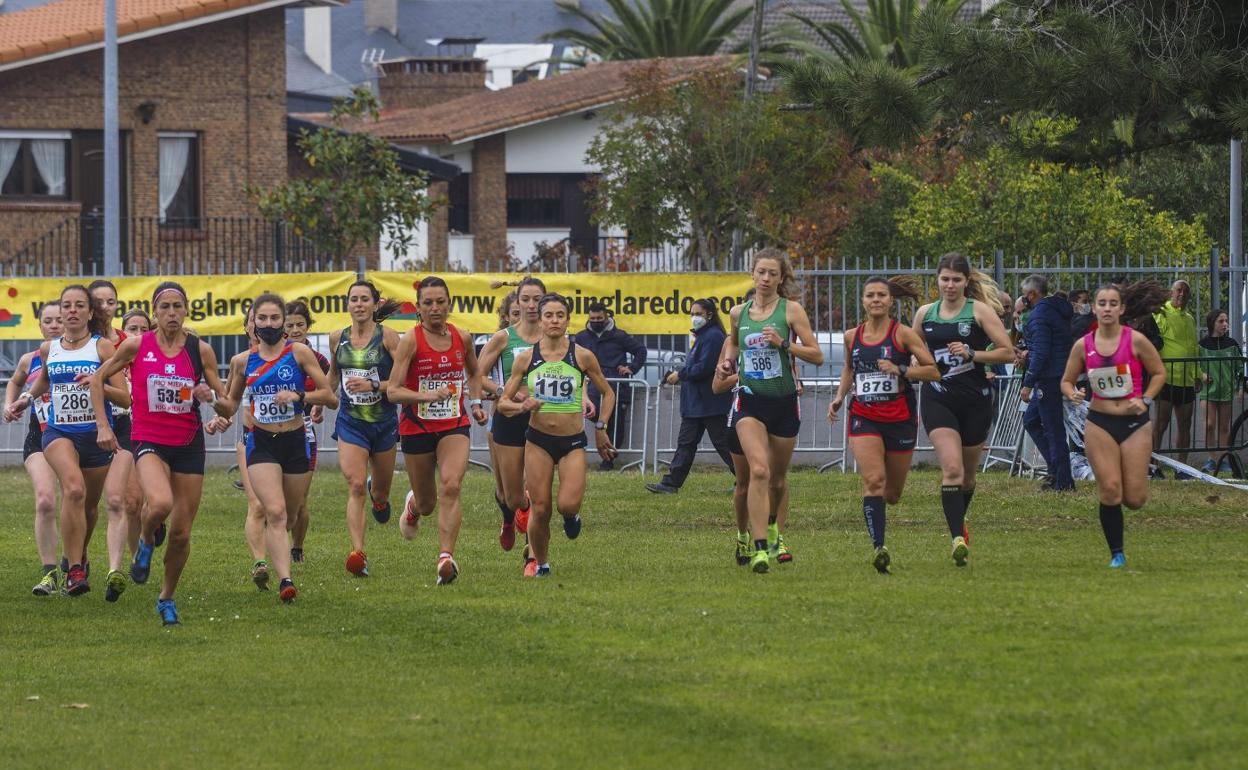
(554, 147)
(524, 240)
(460, 253)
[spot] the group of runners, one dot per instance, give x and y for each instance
(116, 417)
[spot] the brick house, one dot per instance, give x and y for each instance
(202, 113)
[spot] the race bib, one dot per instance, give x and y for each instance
(762, 363)
(868, 384)
(368, 397)
(41, 409)
(170, 395)
(309, 431)
(71, 403)
(266, 409)
(447, 408)
(1111, 381)
(955, 364)
(554, 388)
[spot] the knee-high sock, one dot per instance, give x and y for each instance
(967, 494)
(955, 508)
(873, 513)
(508, 515)
(1113, 526)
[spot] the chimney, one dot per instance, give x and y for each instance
(317, 43)
(381, 14)
(424, 81)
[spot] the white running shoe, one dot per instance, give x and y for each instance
(409, 522)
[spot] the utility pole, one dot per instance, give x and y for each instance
(756, 36)
(1236, 240)
(112, 147)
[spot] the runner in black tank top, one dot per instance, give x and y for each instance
(883, 425)
(957, 412)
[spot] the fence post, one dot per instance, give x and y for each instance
(361, 267)
(1215, 278)
(998, 268)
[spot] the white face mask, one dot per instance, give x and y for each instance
(698, 321)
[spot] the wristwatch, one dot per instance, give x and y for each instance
(600, 425)
(785, 345)
(376, 386)
(1148, 401)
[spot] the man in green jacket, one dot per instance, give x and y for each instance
(1178, 396)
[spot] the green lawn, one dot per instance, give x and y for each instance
(650, 648)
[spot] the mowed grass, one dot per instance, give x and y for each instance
(649, 647)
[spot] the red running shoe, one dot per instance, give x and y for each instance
(76, 581)
(530, 568)
(522, 519)
(357, 564)
(966, 533)
(507, 536)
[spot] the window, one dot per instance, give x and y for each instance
(459, 219)
(535, 200)
(179, 179)
(34, 164)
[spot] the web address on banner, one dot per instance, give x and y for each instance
(672, 303)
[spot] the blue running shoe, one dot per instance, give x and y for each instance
(1119, 561)
(572, 526)
(381, 511)
(142, 566)
(168, 611)
(159, 539)
(543, 571)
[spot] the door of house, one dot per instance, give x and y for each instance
(87, 178)
(584, 234)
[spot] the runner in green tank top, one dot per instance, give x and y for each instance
(506, 435)
(765, 411)
(555, 371)
(361, 357)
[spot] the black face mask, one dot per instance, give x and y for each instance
(597, 327)
(270, 335)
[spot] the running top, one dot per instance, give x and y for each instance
(432, 369)
(557, 384)
(765, 370)
(39, 409)
(1114, 377)
(120, 411)
(515, 344)
(309, 427)
(880, 396)
(371, 362)
(266, 378)
(71, 410)
(958, 376)
(164, 409)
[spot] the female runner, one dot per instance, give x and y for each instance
(553, 371)
(253, 526)
(136, 323)
(41, 476)
(278, 463)
(883, 422)
(435, 361)
(298, 321)
(507, 432)
(171, 372)
(765, 411)
(965, 334)
(367, 426)
(1118, 434)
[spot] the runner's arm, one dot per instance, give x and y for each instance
(807, 348)
(926, 368)
(473, 370)
(323, 394)
(1003, 350)
(1075, 364)
(507, 403)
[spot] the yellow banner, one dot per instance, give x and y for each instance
(643, 303)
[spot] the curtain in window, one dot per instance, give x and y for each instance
(50, 159)
(174, 153)
(8, 154)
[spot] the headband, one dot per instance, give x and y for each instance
(162, 290)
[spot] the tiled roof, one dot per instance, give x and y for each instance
(533, 101)
(65, 25)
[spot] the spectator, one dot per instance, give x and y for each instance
(620, 355)
(1083, 321)
(700, 408)
(1048, 345)
(1220, 378)
(1177, 327)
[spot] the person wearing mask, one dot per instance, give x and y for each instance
(620, 355)
(700, 408)
(1049, 342)
(1083, 320)
(1177, 326)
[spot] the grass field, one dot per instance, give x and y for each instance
(650, 648)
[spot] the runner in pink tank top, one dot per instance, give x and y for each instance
(164, 410)
(1118, 436)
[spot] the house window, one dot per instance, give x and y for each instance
(535, 200)
(459, 218)
(34, 164)
(179, 179)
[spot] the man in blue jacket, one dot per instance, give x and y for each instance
(621, 355)
(700, 409)
(1048, 345)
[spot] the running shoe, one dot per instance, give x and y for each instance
(960, 551)
(881, 560)
(381, 512)
(159, 538)
(773, 541)
(168, 611)
(448, 570)
(543, 571)
(116, 585)
(744, 549)
(142, 566)
(572, 526)
(760, 562)
(76, 581)
(1119, 561)
(522, 515)
(64, 565)
(409, 522)
(783, 555)
(966, 533)
(287, 591)
(296, 555)
(260, 574)
(86, 566)
(530, 568)
(357, 563)
(507, 536)
(48, 585)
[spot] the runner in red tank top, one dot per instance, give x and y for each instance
(436, 361)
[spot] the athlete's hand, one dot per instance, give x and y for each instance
(82, 377)
(1137, 405)
(531, 404)
(284, 397)
(961, 350)
(834, 408)
(105, 439)
(479, 415)
(203, 392)
(888, 367)
(317, 414)
(440, 394)
(588, 409)
(605, 449)
(1077, 397)
(727, 367)
(13, 410)
(771, 337)
(217, 425)
(1025, 394)
(358, 385)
